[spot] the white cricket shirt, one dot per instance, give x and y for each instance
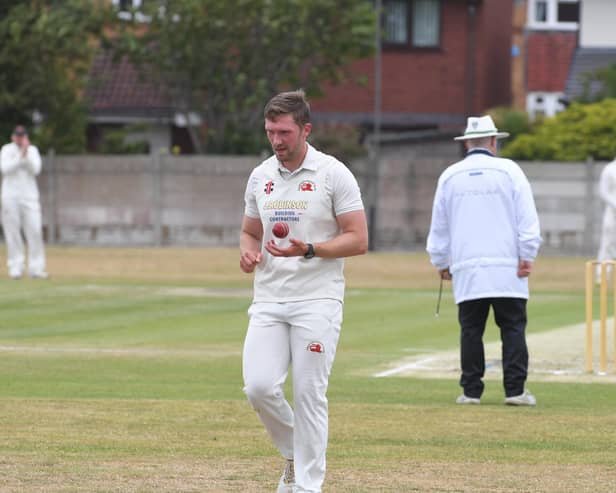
(308, 200)
(19, 172)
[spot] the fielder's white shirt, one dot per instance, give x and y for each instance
(308, 200)
(484, 221)
(19, 172)
(607, 188)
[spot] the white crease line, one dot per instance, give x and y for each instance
(117, 351)
(416, 365)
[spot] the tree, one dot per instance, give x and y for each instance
(45, 55)
(510, 120)
(599, 84)
(579, 132)
(224, 59)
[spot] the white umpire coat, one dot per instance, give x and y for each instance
(484, 221)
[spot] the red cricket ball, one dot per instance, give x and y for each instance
(280, 230)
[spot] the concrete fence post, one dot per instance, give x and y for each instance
(589, 222)
(52, 212)
(157, 202)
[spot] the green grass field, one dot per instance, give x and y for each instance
(123, 374)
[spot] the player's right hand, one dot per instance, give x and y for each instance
(524, 268)
(249, 260)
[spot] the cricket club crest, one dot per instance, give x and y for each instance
(316, 347)
(269, 187)
(307, 186)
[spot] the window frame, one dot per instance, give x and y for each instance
(408, 45)
(549, 107)
(128, 15)
(552, 22)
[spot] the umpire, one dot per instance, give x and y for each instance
(485, 236)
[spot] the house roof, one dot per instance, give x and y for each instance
(587, 60)
(117, 92)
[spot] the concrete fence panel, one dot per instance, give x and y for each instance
(199, 200)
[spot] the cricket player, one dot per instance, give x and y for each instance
(296, 313)
(607, 191)
(20, 162)
(485, 236)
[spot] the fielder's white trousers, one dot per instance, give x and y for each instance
(305, 333)
(607, 247)
(18, 214)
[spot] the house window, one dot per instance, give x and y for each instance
(426, 22)
(554, 14)
(541, 11)
(395, 19)
(127, 7)
(415, 23)
(568, 12)
(539, 104)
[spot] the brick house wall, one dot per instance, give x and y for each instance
(428, 87)
(493, 63)
(549, 56)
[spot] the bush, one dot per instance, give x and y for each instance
(599, 84)
(510, 120)
(116, 142)
(579, 132)
(341, 141)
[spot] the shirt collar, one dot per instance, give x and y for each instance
(310, 162)
(479, 150)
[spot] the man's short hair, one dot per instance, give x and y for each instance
(289, 103)
(20, 130)
(480, 142)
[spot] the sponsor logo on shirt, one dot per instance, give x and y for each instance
(307, 186)
(285, 216)
(316, 347)
(285, 204)
(269, 187)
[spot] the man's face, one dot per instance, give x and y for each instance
(286, 137)
(19, 138)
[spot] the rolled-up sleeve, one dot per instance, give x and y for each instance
(250, 199)
(346, 192)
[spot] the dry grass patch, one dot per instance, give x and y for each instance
(221, 265)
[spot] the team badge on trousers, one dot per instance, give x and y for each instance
(315, 347)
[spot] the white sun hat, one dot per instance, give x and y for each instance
(478, 127)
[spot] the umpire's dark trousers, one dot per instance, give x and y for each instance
(510, 316)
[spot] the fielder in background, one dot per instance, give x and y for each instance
(21, 210)
(607, 191)
(485, 236)
(303, 214)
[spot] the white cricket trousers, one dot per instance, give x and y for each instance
(305, 333)
(17, 214)
(607, 247)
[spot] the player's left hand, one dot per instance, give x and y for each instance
(297, 248)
